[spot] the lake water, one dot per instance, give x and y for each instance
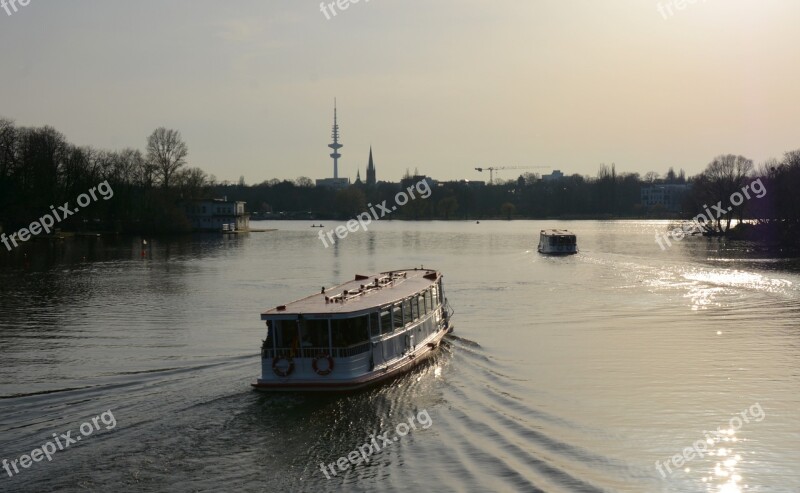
(573, 374)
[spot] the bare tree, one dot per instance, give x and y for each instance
(192, 182)
(767, 168)
(787, 180)
(604, 172)
(76, 168)
(651, 176)
(350, 201)
(105, 164)
(127, 166)
(304, 182)
(448, 206)
(167, 152)
(43, 151)
(792, 159)
(508, 209)
(724, 176)
(8, 147)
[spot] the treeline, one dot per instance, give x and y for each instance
(607, 195)
(39, 168)
(765, 194)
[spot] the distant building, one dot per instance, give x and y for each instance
(216, 215)
(556, 175)
(335, 183)
(468, 183)
(371, 170)
(668, 196)
(413, 180)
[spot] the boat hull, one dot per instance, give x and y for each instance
(392, 370)
(543, 252)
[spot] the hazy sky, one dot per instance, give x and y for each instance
(439, 85)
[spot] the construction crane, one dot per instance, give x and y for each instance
(492, 169)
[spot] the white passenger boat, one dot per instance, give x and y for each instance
(557, 242)
(355, 334)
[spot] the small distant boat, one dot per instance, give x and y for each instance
(356, 334)
(557, 242)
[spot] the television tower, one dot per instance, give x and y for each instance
(335, 145)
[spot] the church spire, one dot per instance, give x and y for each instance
(370, 169)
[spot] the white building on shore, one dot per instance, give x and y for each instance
(216, 215)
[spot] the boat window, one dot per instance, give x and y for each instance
(286, 333)
(428, 301)
(270, 334)
(414, 308)
(349, 331)
(407, 315)
(397, 316)
(375, 324)
(420, 302)
(314, 333)
(435, 296)
(386, 321)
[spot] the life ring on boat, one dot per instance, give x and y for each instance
(280, 371)
(325, 371)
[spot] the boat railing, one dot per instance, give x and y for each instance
(281, 352)
(346, 352)
(313, 352)
(379, 282)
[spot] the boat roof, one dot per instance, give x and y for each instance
(362, 294)
(557, 232)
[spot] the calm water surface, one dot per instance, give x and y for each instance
(567, 374)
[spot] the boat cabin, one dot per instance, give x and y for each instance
(557, 242)
(354, 328)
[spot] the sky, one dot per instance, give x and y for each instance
(440, 86)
